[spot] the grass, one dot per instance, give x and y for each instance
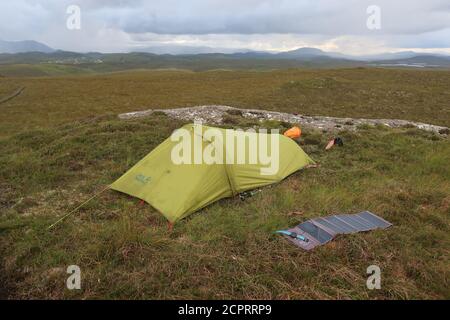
(419, 95)
(62, 142)
(39, 70)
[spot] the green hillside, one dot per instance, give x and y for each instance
(61, 141)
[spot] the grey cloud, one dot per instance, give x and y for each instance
(275, 16)
(115, 24)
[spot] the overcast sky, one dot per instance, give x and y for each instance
(339, 25)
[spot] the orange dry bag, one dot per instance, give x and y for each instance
(293, 132)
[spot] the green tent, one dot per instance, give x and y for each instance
(177, 190)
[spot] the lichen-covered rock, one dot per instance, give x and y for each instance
(215, 114)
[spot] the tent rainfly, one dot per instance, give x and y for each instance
(178, 189)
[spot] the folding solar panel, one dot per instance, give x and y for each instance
(319, 231)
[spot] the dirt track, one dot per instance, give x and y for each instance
(13, 95)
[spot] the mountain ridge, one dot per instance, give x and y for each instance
(23, 46)
(37, 63)
(302, 53)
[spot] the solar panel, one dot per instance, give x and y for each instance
(321, 230)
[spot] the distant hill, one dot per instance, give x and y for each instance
(302, 53)
(63, 62)
(310, 53)
(23, 46)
